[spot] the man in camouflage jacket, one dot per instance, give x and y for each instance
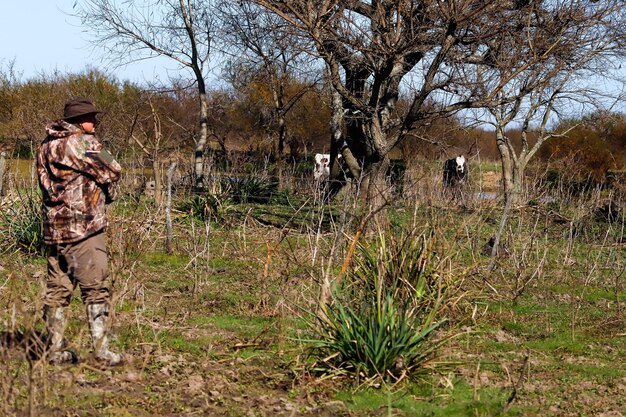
(76, 177)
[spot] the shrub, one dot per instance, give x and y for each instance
(21, 224)
(249, 189)
(583, 155)
(380, 322)
(203, 207)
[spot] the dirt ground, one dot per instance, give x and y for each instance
(213, 328)
(191, 366)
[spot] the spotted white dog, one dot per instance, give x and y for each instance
(455, 171)
(321, 171)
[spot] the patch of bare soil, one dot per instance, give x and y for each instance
(157, 382)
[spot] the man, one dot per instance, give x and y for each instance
(76, 177)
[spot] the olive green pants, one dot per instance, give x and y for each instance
(82, 263)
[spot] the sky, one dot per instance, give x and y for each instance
(41, 36)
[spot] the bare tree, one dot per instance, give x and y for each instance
(181, 30)
(263, 46)
(537, 65)
(9, 84)
(373, 48)
(150, 142)
(532, 73)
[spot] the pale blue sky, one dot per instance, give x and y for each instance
(41, 36)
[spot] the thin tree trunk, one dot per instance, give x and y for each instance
(508, 173)
(168, 210)
(3, 161)
(158, 182)
(280, 157)
(202, 140)
(510, 196)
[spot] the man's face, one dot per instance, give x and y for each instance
(89, 122)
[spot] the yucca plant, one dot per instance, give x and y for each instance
(203, 207)
(250, 189)
(380, 322)
(21, 224)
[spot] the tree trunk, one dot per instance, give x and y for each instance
(203, 137)
(518, 183)
(158, 182)
(168, 211)
(338, 146)
(376, 189)
(511, 179)
(280, 157)
(2, 165)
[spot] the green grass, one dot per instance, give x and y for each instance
(424, 400)
(181, 344)
(489, 167)
(290, 216)
(240, 330)
(561, 342)
(600, 373)
(161, 259)
(243, 327)
(602, 294)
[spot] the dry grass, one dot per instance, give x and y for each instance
(213, 328)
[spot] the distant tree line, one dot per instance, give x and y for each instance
(241, 119)
(385, 75)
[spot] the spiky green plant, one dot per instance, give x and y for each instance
(204, 207)
(380, 322)
(250, 189)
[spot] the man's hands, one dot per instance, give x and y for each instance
(111, 192)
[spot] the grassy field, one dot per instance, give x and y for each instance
(221, 325)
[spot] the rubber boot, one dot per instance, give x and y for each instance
(98, 315)
(55, 326)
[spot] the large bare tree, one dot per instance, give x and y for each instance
(181, 30)
(263, 47)
(374, 48)
(540, 66)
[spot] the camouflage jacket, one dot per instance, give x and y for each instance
(74, 174)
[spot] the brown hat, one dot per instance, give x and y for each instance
(78, 107)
